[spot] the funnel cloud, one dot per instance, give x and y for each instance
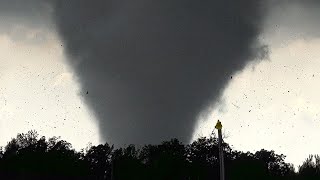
(150, 67)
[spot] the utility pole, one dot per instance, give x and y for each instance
(112, 167)
(219, 128)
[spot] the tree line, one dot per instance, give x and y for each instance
(28, 156)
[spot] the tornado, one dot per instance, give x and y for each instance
(147, 68)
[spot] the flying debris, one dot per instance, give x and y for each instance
(236, 106)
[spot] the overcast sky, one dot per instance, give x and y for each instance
(38, 91)
(272, 104)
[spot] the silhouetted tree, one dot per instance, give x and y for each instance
(165, 161)
(100, 159)
(203, 155)
(29, 156)
(274, 163)
(310, 169)
(126, 164)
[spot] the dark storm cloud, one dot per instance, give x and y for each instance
(30, 9)
(150, 67)
(289, 20)
(18, 17)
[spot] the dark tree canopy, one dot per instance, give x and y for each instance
(29, 156)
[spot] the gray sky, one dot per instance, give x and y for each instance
(275, 104)
(271, 104)
(37, 89)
